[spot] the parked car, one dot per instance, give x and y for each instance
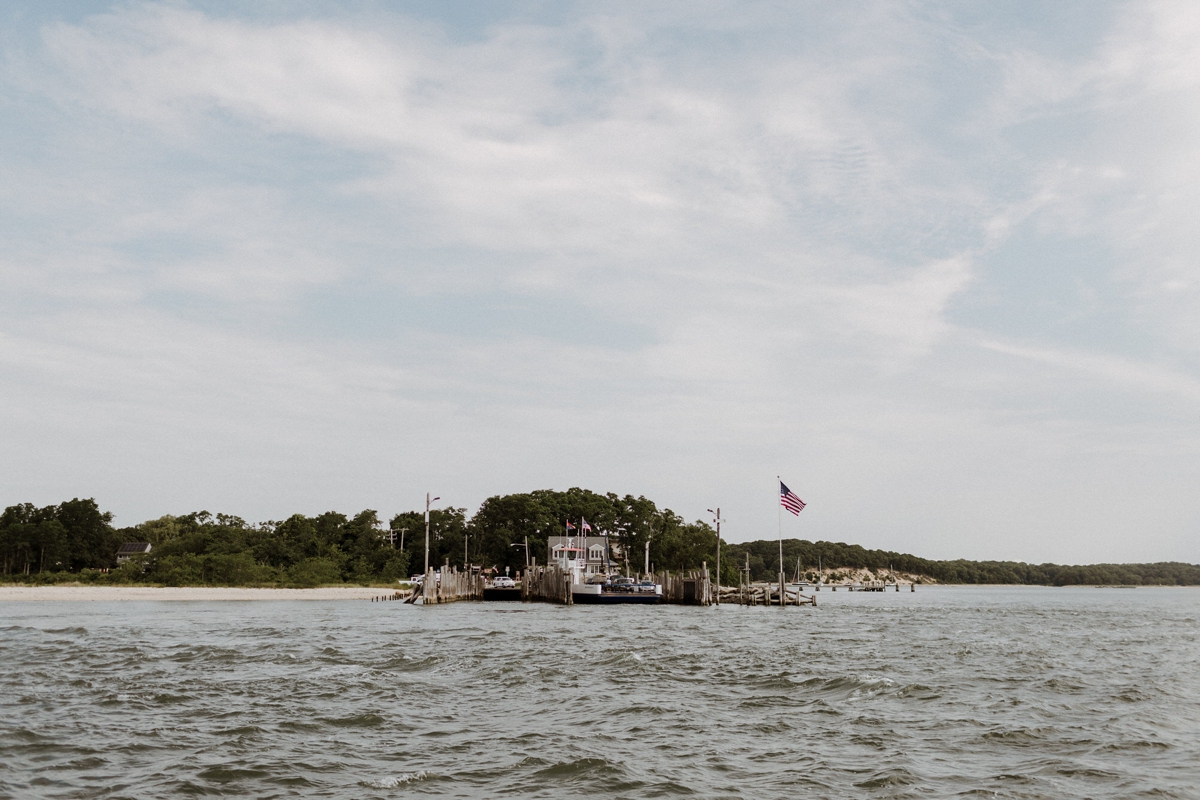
(504, 582)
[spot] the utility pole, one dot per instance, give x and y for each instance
(747, 573)
(623, 528)
(428, 501)
(717, 519)
(402, 532)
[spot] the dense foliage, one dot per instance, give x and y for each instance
(75, 541)
(764, 565)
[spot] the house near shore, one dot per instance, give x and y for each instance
(592, 548)
(131, 549)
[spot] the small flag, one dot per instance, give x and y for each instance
(789, 500)
(570, 527)
(586, 527)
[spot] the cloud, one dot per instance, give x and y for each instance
(1131, 180)
(1129, 374)
(352, 253)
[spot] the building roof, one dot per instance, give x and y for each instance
(133, 548)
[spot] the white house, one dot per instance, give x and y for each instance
(593, 549)
(131, 549)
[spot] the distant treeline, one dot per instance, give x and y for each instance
(833, 556)
(76, 541)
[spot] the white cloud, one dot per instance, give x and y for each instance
(1124, 371)
(791, 224)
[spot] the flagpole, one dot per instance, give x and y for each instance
(779, 514)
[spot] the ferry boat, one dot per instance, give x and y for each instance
(617, 590)
(593, 580)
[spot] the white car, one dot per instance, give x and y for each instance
(504, 582)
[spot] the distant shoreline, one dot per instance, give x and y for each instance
(11, 593)
(105, 594)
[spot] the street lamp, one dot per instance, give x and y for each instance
(526, 546)
(717, 519)
(428, 502)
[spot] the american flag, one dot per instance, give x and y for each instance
(586, 527)
(789, 500)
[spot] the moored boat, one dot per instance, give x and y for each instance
(617, 590)
(594, 579)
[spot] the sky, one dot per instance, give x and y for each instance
(933, 264)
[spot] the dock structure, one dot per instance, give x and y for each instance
(549, 584)
(688, 588)
(766, 594)
(449, 585)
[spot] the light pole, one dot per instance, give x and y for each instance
(428, 501)
(623, 531)
(717, 519)
(526, 546)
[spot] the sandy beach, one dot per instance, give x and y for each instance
(108, 594)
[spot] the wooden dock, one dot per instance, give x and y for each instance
(765, 594)
(448, 585)
(546, 585)
(688, 588)
(553, 585)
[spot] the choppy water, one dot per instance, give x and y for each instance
(1017, 692)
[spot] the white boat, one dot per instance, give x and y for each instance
(591, 580)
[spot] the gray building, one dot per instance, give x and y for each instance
(131, 549)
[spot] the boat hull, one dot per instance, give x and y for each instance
(615, 598)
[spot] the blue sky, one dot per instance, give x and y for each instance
(935, 266)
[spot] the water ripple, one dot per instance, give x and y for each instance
(1005, 693)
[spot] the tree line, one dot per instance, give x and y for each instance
(76, 541)
(832, 556)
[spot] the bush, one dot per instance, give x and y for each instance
(314, 572)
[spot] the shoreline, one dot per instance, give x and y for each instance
(104, 594)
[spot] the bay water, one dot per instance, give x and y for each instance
(1010, 692)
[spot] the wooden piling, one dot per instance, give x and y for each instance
(449, 585)
(546, 585)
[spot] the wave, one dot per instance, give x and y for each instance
(356, 721)
(847, 687)
(888, 778)
(224, 774)
(580, 769)
(396, 780)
